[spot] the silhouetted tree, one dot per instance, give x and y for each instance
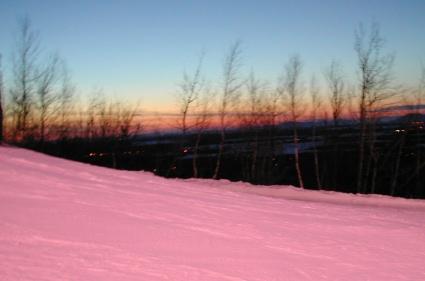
(274, 113)
(126, 120)
(46, 94)
(395, 174)
(25, 75)
(316, 104)
(253, 119)
(91, 120)
(105, 117)
(202, 122)
(336, 96)
(293, 95)
(66, 104)
(374, 69)
(419, 161)
(190, 89)
(334, 77)
(228, 96)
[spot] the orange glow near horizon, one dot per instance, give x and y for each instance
(152, 122)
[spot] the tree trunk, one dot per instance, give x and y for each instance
(397, 167)
(374, 175)
(361, 148)
(42, 125)
(195, 155)
(316, 159)
(419, 183)
(219, 155)
(254, 159)
(297, 158)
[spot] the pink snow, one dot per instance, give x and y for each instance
(62, 220)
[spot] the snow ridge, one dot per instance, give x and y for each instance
(62, 220)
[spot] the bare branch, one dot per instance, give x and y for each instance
(25, 74)
(229, 94)
(334, 77)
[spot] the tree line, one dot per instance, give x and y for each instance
(260, 108)
(42, 105)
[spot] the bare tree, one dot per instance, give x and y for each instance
(420, 99)
(228, 96)
(253, 120)
(335, 81)
(396, 171)
(375, 78)
(274, 112)
(46, 94)
(122, 125)
(65, 101)
(105, 117)
(94, 104)
(336, 96)
(190, 89)
(293, 93)
(419, 94)
(127, 125)
(202, 122)
(316, 104)
(25, 75)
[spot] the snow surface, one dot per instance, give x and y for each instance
(62, 220)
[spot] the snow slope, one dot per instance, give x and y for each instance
(61, 220)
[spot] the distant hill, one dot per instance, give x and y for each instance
(411, 117)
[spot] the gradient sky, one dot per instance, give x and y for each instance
(139, 49)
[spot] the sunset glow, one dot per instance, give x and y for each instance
(138, 50)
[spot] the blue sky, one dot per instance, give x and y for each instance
(139, 49)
